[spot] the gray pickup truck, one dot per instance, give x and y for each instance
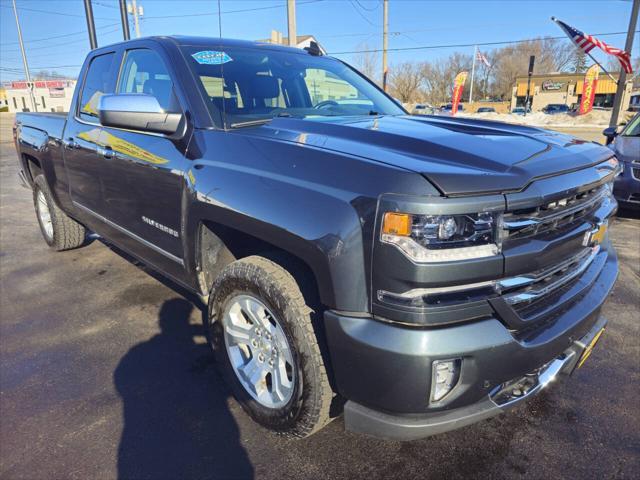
(418, 273)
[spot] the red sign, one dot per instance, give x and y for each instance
(589, 89)
(458, 86)
(40, 84)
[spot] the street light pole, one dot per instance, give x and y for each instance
(291, 23)
(385, 42)
(91, 27)
(125, 20)
(622, 78)
(24, 59)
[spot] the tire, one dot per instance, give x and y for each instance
(305, 408)
(57, 228)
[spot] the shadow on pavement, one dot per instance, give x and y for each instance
(176, 420)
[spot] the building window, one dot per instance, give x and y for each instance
(24, 105)
(44, 104)
(15, 104)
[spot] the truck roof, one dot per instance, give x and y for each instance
(208, 42)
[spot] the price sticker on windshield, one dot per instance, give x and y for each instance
(211, 57)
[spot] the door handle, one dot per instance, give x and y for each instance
(106, 152)
(70, 143)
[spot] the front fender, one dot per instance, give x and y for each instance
(317, 205)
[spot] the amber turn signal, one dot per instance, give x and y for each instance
(397, 224)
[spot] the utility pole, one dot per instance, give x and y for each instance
(91, 27)
(385, 41)
(136, 20)
(124, 19)
(291, 21)
(622, 78)
(24, 59)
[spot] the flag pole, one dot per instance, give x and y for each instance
(473, 71)
(603, 69)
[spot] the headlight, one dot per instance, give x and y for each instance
(440, 238)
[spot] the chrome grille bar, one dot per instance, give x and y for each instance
(565, 272)
(565, 209)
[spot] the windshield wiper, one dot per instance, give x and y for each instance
(251, 123)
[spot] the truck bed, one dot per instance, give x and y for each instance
(51, 123)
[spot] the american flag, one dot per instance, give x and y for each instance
(481, 58)
(587, 43)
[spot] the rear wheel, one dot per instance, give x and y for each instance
(59, 230)
(261, 332)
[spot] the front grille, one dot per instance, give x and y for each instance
(526, 290)
(557, 215)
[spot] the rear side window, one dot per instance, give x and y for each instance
(145, 72)
(96, 84)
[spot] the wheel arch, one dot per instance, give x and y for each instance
(218, 245)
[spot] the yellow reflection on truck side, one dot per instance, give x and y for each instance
(120, 145)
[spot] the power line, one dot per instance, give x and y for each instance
(368, 9)
(362, 15)
(64, 43)
(43, 39)
(205, 14)
(462, 45)
(51, 12)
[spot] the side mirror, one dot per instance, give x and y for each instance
(137, 111)
(610, 133)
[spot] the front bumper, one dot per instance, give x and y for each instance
(361, 419)
(384, 369)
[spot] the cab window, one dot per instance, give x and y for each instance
(96, 84)
(145, 72)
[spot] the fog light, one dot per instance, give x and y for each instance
(445, 376)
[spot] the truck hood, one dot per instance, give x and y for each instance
(459, 156)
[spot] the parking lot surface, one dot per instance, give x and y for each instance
(105, 372)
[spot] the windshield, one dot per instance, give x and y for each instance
(633, 128)
(245, 86)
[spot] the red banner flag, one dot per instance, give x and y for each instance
(458, 86)
(589, 89)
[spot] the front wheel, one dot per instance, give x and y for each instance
(263, 337)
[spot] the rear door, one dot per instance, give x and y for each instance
(82, 135)
(143, 173)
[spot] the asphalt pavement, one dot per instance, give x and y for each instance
(105, 373)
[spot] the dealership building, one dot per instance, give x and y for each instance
(49, 95)
(566, 89)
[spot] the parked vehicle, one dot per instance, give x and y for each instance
(486, 110)
(555, 108)
(626, 146)
(519, 111)
(423, 109)
(423, 272)
(448, 107)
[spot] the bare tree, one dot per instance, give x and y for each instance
(405, 80)
(439, 75)
(368, 62)
(579, 61)
(513, 60)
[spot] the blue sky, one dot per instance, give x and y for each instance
(340, 25)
